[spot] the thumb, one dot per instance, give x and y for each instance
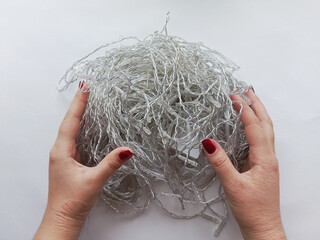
(220, 162)
(112, 162)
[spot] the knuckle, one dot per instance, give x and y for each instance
(269, 121)
(253, 125)
(219, 161)
(62, 130)
(274, 166)
(53, 153)
(113, 165)
(272, 137)
(271, 164)
(264, 140)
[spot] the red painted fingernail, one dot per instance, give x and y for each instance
(253, 89)
(80, 84)
(125, 155)
(208, 146)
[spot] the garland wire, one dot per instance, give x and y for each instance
(160, 96)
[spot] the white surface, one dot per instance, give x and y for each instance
(276, 44)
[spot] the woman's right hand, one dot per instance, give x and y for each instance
(253, 195)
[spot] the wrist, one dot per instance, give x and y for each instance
(60, 224)
(266, 232)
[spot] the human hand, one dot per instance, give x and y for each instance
(253, 195)
(73, 187)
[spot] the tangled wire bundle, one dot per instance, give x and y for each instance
(160, 96)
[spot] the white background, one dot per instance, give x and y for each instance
(276, 44)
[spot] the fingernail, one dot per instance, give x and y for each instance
(253, 89)
(208, 146)
(80, 84)
(125, 155)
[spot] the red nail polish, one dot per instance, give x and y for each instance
(80, 84)
(253, 89)
(208, 146)
(125, 155)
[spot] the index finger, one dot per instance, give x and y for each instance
(252, 125)
(255, 134)
(260, 110)
(70, 124)
(262, 115)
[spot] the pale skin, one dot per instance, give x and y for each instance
(253, 194)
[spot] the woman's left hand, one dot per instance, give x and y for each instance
(73, 187)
